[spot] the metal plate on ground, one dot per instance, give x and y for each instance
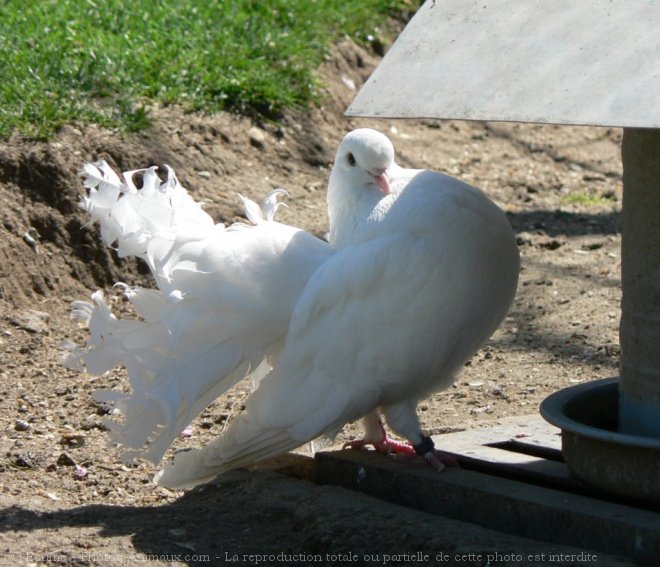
(526, 448)
(562, 62)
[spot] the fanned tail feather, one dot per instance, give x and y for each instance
(169, 386)
(196, 466)
(257, 434)
(213, 320)
(135, 218)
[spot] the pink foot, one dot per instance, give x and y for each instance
(425, 448)
(437, 459)
(386, 446)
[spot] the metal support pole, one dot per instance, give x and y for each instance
(639, 391)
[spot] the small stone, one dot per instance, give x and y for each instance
(524, 239)
(93, 423)
(30, 240)
(32, 321)
(204, 174)
(22, 425)
(552, 244)
(73, 440)
(80, 472)
(27, 461)
(350, 83)
(65, 460)
(257, 137)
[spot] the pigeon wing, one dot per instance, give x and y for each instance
(352, 343)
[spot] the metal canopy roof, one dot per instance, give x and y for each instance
(548, 61)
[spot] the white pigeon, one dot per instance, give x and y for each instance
(421, 269)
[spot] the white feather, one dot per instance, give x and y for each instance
(223, 304)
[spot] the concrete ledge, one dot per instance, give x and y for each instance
(498, 503)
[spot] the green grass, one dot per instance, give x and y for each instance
(108, 60)
(588, 199)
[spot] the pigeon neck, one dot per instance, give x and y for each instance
(352, 211)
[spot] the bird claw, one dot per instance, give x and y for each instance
(386, 446)
(356, 444)
(439, 460)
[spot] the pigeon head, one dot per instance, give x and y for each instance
(363, 158)
(359, 184)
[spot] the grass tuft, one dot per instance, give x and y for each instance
(589, 199)
(106, 60)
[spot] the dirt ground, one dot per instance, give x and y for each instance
(66, 497)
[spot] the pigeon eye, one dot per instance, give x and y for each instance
(351, 158)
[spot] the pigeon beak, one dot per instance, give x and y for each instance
(382, 182)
